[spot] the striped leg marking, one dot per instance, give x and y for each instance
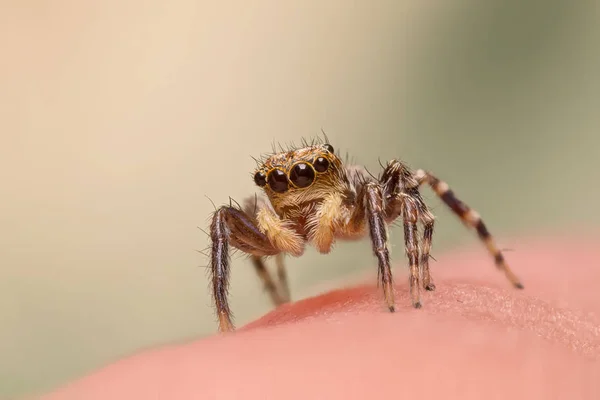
(470, 218)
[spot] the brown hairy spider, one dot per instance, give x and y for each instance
(312, 197)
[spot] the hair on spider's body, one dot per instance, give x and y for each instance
(312, 197)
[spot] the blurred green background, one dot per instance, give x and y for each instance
(119, 117)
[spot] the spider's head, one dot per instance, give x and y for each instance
(300, 175)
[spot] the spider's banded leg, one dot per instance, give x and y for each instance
(232, 226)
(410, 214)
(378, 232)
(282, 276)
(267, 280)
(471, 218)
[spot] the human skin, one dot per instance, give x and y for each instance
(474, 338)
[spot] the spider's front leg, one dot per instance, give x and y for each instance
(263, 235)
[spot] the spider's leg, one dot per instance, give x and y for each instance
(277, 298)
(428, 221)
(470, 218)
(403, 199)
(374, 206)
(232, 226)
(410, 215)
(278, 292)
(282, 276)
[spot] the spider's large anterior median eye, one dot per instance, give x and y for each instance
(260, 179)
(278, 181)
(321, 164)
(302, 175)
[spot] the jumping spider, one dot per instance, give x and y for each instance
(312, 197)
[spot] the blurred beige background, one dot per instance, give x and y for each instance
(119, 117)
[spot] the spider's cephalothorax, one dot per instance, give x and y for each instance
(312, 197)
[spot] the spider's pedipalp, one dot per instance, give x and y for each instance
(279, 233)
(323, 223)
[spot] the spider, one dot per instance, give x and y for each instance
(313, 197)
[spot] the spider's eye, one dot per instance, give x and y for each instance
(260, 179)
(302, 175)
(329, 147)
(278, 181)
(321, 164)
